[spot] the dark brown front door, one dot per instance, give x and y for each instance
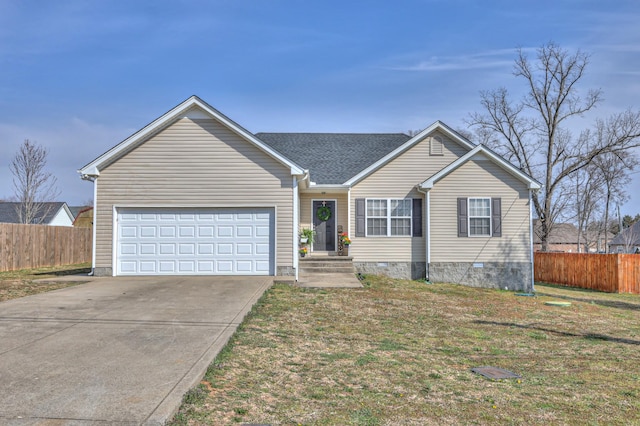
(324, 223)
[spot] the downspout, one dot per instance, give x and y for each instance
(93, 227)
(427, 218)
(531, 239)
(296, 225)
(94, 180)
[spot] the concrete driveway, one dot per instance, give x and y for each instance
(115, 350)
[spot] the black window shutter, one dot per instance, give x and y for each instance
(416, 217)
(360, 217)
(496, 216)
(463, 221)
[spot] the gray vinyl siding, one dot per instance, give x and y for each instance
(398, 179)
(195, 163)
(480, 178)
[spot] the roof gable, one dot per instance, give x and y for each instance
(194, 108)
(9, 212)
(479, 150)
(333, 158)
(437, 126)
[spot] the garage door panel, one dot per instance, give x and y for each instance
(147, 266)
(224, 248)
(244, 266)
(245, 248)
(224, 266)
(206, 231)
(146, 248)
(195, 241)
(225, 231)
(166, 267)
(128, 232)
(148, 231)
(262, 266)
(205, 248)
(244, 231)
(167, 232)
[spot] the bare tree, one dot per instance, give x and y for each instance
(588, 203)
(613, 168)
(532, 133)
(33, 184)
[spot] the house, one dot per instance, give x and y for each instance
(51, 213)
(193, 192)
(627, 241)
(83, 216)
(564, 238)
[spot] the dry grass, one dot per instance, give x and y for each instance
(399, 352)
(21, 283)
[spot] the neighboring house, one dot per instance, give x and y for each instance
(564, 238)
(195, 193)
(627, 241)
(54, 214)
(83, 216)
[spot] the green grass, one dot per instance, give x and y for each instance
(15, 284)
(400, 352)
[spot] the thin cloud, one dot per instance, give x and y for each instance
(500, 58)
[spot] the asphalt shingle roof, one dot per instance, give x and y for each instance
(333, 158)
(8, 213)
(75, 210)
(628, 236)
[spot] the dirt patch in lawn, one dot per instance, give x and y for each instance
(22, 283)
(401, 352)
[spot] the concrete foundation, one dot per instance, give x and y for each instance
(404, 270)
(102, 272)
(285, 271)
(514, 276)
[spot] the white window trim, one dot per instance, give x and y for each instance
(469, 217)
(388, 218)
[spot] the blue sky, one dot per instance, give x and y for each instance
(80, 76)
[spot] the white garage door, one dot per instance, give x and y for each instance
(195, 241)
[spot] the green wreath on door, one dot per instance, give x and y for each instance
(323, 213)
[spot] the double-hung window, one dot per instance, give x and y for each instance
(389, 217)
(480, 217)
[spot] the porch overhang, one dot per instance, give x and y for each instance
(325, 189)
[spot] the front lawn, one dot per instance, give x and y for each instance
(22, 283)
(400, 352)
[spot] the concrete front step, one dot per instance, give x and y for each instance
(326, 264)
(307, 270)
(323, 258)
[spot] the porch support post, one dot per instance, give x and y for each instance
(349, 212)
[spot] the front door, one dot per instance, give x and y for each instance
(324, 223)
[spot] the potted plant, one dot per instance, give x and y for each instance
(345, 241)
(307, 235)
(303, 251)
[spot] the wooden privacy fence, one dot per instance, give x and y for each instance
(613, 273)
(36, 246)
